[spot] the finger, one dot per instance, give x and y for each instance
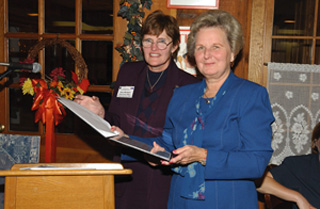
(78, 101)
(165, 163)
(155, 144)
(159, 148)
(180, 150)
(76, 98)
(175, 160)
(114, 128)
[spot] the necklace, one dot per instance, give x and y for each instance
(155, 83)
(208, 100)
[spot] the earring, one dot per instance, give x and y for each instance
(231, 64)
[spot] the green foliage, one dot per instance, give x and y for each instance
(132, 11)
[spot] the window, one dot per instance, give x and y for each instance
(296, 32)
(85, 24)
(283, 31)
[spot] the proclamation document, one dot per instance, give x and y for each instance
(103, 127)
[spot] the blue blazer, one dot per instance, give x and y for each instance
(237, 136)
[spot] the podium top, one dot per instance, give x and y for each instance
(65, 169)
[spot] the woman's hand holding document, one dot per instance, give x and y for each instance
(119, 131)
(156, 150)
(91, 103)
(96, 122)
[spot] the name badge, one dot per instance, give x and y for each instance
(125, 92)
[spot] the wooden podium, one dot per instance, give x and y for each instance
(74, 188)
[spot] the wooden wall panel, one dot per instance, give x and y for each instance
(260, 42)
(120, 27)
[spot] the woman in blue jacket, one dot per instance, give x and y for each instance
(219, 130)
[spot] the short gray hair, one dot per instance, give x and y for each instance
(220, 19)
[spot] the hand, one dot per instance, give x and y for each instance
(120, 131)
(91, 103)
(186, 155)
(156, 148)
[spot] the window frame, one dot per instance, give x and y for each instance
(261, 39)
(77, 37)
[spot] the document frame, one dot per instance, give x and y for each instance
(193, 4)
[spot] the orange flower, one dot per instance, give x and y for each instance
(54, 84)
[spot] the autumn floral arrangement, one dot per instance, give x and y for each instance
(48, 110)
(46, 91)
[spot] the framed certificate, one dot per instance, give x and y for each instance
(193, 4)
(182, 60)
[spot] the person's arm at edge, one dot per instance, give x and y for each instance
(271, 186)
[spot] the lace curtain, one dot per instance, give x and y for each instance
(294, 94)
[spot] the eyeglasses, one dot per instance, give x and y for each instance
(161, 44)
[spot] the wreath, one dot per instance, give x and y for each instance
(46, 91)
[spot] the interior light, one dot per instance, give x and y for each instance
(289, 21)
(33, 14)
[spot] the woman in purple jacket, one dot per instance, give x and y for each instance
(139, 104)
